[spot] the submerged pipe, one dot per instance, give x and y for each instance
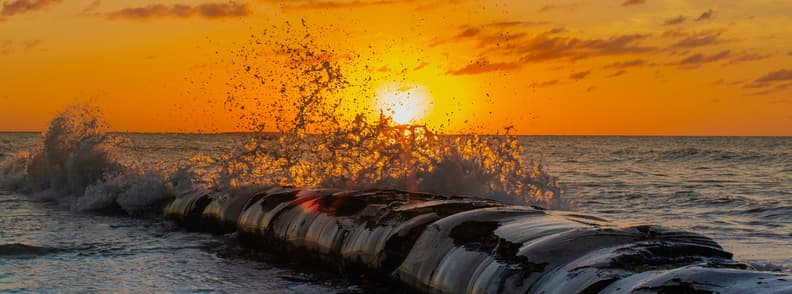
(441, 244)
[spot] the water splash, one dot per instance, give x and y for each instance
(307, 110)
(316, 102)
(82, 166)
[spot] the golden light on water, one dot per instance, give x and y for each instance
(405, 104)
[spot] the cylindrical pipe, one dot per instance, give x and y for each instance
(443, 244)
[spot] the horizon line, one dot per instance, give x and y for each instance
(447, 134)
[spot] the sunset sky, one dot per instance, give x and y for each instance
(596, 67)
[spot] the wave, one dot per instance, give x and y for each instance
(18, 249)
(319, 142)
(705, 155)
(80, 166)
(777, 212)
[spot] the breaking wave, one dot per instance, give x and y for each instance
(80, 165)
(299, 103)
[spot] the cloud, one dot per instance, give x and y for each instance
(516, 49)
(519, 48)
(92, 7)
(546, 47)
(698, 59)
(467, 33)
(23, 6)
(309, 5)
(776, 76)
(633, 2)
(675, 33)
(556, 31)
(580, 75)
(207, 10)
(421, 66)
(478, 34)
(709, 14)
(675, 21)
(626, 64)
(549, 7)
(747, 57)
(518, 23)
(777, 88)
(618, 73)
(698, 39)
(484, 66)
(471, 33)
(543, 84)
(335, 4)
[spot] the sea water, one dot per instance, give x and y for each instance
(734, 189)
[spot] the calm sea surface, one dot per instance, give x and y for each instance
(736, 190)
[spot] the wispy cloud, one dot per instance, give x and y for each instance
(308, 5)
(484, 66)
(633, 2)
(699, 39)
(546, 47)
(748, 57)
(568, 6)
(770, 90)
(544, 84)
(775, 76)
(420, 5)
(709, 14)
(580, 75)
(618, 73)
(24, 6)
(92, 7)
(626, 64)
(675, 21)
(207, 10)
(479, 34)
(699, 59)
(515, 49)
(518, 23)
(421, 66)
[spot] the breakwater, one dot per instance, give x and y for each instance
(445, 244)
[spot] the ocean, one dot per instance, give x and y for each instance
(737, 190)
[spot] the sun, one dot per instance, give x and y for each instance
(405, 104)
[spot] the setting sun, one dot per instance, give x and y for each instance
(405, 104)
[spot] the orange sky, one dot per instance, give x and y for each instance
(629, 67)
